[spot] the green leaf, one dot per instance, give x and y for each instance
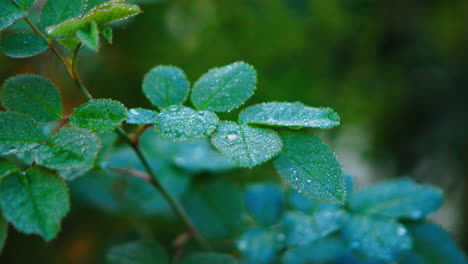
(35, 202)
(311, 167)
(265, 202)
(260, 245)
(100, 115)
(165, 86)
(70, 148)
(432, 245)
(23, 45)
(89, 36)
(141, 116)
(209, 258)
(69, 43)
(224, 89)
(9, 17)
(7, 168)
(66, 28)
(3, 232)
(215, 208)
(323, 251)
(398, 199)
(57, 11)
(377, 238)
(107, 33)
(246, 146)
(181, 124)
(32, 95)
(138, 252)
(289, 115)
(18, 133)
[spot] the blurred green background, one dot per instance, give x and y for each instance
(396, 72)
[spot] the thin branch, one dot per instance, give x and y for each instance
(76, 76)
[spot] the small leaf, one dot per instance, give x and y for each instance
(265, 203)
(432, 245)
(165, 86)
(66, 28)
(141, 116)
(310, 166)
(18, 133)
(32, 95)
(377, 238)
(69, 43)
(89, 36)
(70, 148)
(100, 115)
(111, 11)
(7, 168)
(181, 124)
(224, 89)
(209, 258)
(138, 252)
(398, 198)
(9, 17)
(57, 11)
(107, 33)
(246, 146)
(35, 202)
(23, 45)
(323, 251)
(260, 245)
(289, 115)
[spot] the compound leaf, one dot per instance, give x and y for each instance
(100, 115)
(265, 202)
(18, 133)
(137, 252)
(377, 238)
(70, 148)
(23, 45)
(141, 116)
(398, 198)
(181, 124)
(311, 167)
(209, 258)
(260, 245)
(7, 168)
(244, 145)
(89, 36)
(224, 89)
(289, 115)
(32, 95)
(165, 86)
(35, 202)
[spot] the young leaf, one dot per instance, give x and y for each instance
(377, 238)
(22, 45)
(209, 258)
(165, 86)
(323, 251)
(398, 198)
(310, 166)
(432, 245)
(260, 245)
(7, 168)
(89, 36)
(35, 202)
(18, 133)
(138, 252)
(246, 146)
(32, 95)
(57, 11)
(289, 115)
(70, 148)
(181, 124)
(265, 203)
(9, 17)
(141, 116)
(107, 33)
(100, 115)
(224, 89)
(67, 28)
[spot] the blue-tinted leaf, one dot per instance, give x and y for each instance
(100, 115)
(224, 89)
(265, 203)
(3, 232)
(319, 252)
(398, 198)
(260, 245)
(311, 167)
(137, 252)
(432, 245)
(35, 202)
(165, 86)
(244, 145)
(32, 95)
(18, 133)
(215, 208)
(9, 16)
(377, 238)
(209, 258)
(7, 168)
(141, 116)
(22, 45)
(289, 115)
(57, 11)
(89, 36)
(181, 124)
